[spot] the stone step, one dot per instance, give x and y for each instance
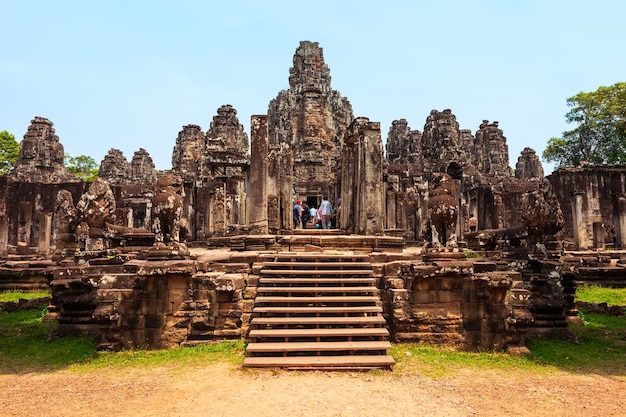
(320, 281)
(338, 320)
(316, 272)
(334, 332)
(322, 362)
(308, 256)
(317, 290)
(317, 310)
(317, 300)
(313, 265)
(269, 347)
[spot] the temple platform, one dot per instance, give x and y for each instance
(310, 241)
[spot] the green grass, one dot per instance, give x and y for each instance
(471, 254)
(24, 348)
(602, 347)
(226, 351)
(597, 294)
(15, 296)
(23, 345)
(437, 361)
(601, 350)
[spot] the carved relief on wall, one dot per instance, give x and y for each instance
(219, 210)
(273, 212)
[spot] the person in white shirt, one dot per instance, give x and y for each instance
(325, 212)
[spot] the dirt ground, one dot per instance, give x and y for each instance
(225, 390)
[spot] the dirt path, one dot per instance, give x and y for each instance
(224, 390)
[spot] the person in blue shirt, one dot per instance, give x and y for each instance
(297, 214)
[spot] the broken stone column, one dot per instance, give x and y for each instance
(257, 215)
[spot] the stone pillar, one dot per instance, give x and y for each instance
(367, 203)
(24, 223)
(578, 221)
(4, 234)
(146, 220)
(45, 231)
(391, 206)
(598, 235)
(621, 221)
(347, 185)
(259, 148)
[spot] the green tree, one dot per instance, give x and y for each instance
(9, 151)
(83, 166)
(600, 134)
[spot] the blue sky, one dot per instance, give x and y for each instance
(130, 74)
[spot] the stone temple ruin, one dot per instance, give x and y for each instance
(207, 251)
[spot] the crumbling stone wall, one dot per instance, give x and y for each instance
(446, 299)
(151, 304)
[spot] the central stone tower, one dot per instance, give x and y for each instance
(306, 126)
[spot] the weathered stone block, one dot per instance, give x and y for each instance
(250, 293)
(226, 322)
(229, 310)
(202, 323)
(246, 306)
(423, 297)
(437, 310)
(395, 283)
(229, 282)
(252, 280)
(450, 296)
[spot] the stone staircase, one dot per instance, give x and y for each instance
(317, 311)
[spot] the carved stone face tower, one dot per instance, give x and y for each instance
(41, 157)
(309, 121)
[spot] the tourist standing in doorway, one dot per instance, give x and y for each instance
(306, 214)
(297, 214)
(325, 212)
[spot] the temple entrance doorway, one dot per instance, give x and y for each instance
(313, 201)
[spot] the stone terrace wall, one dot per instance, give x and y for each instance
(154, 304)
(448, 300)
(442, 299)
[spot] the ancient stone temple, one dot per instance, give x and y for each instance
(119, 266)
(306, 126)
